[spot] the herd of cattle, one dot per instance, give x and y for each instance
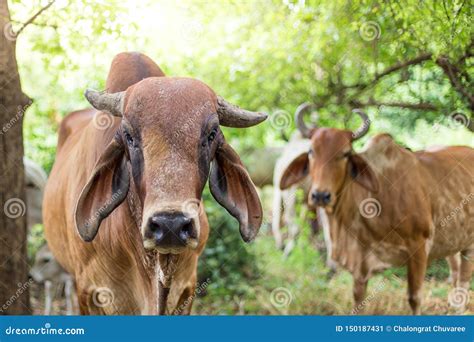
(125, 222)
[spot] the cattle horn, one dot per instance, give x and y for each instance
(232, 116)
(110, 103)
(299, 119)
(364, 128)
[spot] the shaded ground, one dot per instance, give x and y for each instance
(299, 285)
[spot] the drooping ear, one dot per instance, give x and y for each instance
(231, 186)
(362, 173)
(295, 172)
(106, 190)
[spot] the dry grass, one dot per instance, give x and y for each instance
(305, 289)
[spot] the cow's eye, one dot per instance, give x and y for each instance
(129, 138)
(310, 152)
(212, 136)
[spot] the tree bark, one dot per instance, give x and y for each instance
(14, 284)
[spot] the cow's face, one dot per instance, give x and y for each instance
(168, 138)
(46, 267)
(330, 162)
(171, 132)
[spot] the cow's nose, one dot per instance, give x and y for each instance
(321, 197)
(170, 229)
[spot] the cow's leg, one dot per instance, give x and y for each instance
(417, 264)
(465, 275)
(324, 221)
(359, 288)
(83, 301)
(48, 300)
(276, 217)
(185, 302)
(290, 219)
(454, 267)
(68, 292)
(360, 278)
(467, 259)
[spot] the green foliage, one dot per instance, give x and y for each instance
(226, 261)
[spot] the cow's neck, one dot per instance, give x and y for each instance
(159, 268)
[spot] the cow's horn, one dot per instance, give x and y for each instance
(110, 103)
(232, 116)
(364, 128)
(299, 118)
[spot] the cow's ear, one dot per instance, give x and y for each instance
(231, 186)
(295, 172)
(106, 190)
(362, 173)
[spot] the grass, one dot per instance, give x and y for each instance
(299, 285)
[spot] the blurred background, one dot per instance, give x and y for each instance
(408, 64)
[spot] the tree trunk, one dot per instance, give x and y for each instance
(14, 292)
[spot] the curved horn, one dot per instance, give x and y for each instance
(299, 119)
(232, 116)
(364, 128)
(110, 103)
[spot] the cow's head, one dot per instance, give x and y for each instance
(330, 161)
(168, 144)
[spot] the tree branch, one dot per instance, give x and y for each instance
(406, 105)
(398, 66)
(453, 75)
(42, 24)
(32, 19)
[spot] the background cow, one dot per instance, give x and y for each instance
(47, 271)
(35, 181)
(388, 205)
(139, 178)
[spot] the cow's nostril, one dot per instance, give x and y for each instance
(314, 196)
(326, 197)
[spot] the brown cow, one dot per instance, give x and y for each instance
(139, 179)
(388, 205)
